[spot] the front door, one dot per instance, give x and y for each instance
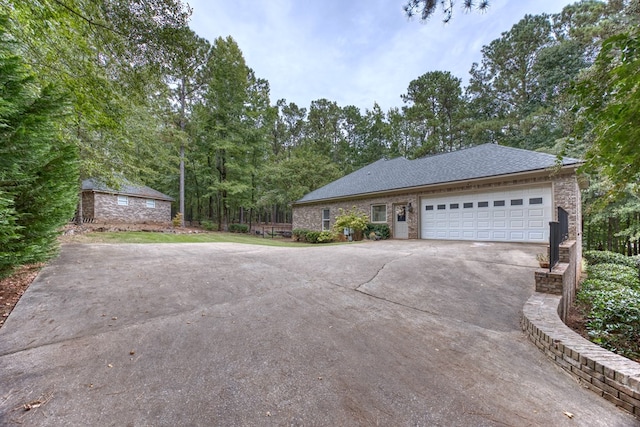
(400, 227)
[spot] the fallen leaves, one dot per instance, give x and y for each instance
(14, 286)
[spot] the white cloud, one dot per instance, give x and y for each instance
(357, 52)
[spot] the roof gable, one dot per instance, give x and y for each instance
(481, 161)
(127, 188)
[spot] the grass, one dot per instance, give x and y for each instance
(209, 237)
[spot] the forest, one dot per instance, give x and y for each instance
(110, 89)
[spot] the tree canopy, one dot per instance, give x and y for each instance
(146, 98)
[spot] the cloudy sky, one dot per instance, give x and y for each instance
(354, 52)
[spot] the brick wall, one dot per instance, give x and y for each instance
(105, 208)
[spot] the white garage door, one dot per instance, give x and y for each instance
(517, 215)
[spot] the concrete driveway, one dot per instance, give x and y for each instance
(420, 333)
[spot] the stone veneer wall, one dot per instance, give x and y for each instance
(565, 190)
(106, 208)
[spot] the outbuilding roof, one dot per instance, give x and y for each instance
(127, 189)
(481, 161)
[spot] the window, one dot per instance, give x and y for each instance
(379, 213)
(326, 220)
(535, 201)
(498, 203)
(516, 202)
(454, 206)
(123, 201)
(483, 204)
(468, 205)
(442, 207)
(151, 203)
(428, 208)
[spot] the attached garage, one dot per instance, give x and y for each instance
(484, 193)
(514, 215)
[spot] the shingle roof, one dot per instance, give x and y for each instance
(126, 189)
(481, 161)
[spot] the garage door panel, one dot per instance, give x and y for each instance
(537, 236)
(518, 215)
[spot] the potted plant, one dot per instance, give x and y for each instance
(543, 260)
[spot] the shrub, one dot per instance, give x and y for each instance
(354, 219)
(617, 273)
(590, 288)
(238, 228)
(312, 236)
(381, 231)
(325, 237)
(607, 257)
(300, 234)
(177, 220)
(207, 225)
(614, 320)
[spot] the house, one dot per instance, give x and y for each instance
(483, 193)
(131, 203)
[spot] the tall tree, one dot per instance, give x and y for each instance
(235, 111)
(504, 87)
(434, 108)
(38, 167)
(188, 56)
(323, 127)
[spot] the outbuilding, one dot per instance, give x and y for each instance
(483, 193)
(129, 203)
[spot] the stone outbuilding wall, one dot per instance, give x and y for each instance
(105, 207)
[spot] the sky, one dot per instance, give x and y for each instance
(354, 52)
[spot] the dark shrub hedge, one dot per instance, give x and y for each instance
(617, 273)
(238, 228)
(606, 257)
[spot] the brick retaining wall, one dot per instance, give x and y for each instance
(610, 375)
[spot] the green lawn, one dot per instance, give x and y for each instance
(210, 237)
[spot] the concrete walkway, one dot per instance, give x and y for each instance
(382, 333)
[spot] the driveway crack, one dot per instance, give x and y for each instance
(384, 265)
